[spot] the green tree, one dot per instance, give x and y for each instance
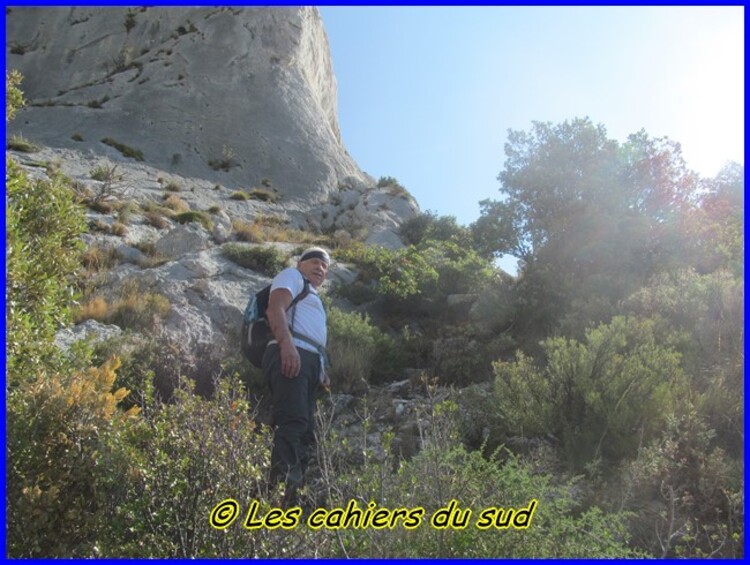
(714, 228)
(590, 219)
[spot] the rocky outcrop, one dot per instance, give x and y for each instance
(195, 109)
(243, 97)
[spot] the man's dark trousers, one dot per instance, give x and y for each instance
(293, 416)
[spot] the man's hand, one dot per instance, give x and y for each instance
(325, 380)
(290, 361)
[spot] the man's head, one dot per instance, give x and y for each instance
(313, 264)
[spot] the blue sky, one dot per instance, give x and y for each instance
(427, 94)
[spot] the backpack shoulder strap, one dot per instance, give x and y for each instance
(303, 294)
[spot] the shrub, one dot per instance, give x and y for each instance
(43, 254)
(125, 211)
(691, 492)
(225, 162)
(124, 149)
(156, 220)
(443, 471)
(195, 216)
(193, 454)
(268, 260)
(13, 96)
(263, 194)
(399, 274)
(251, 233)
(429, 226)
(173, 186)
(599, 398)
(176, 204)
(111, 183)
(64, 461)
(18, 143)
(77, 137)
(359, 351)
(99, 258)
(119, 229)
(239, 195)
(132, 309)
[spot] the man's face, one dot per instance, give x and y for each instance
(315, 270)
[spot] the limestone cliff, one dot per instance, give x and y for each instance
(240, 96)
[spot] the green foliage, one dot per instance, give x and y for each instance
(194, 216)
(429, 226)
(239, 195)
(399, 274)
(268, 260)
(43, 248)
(19, 143)
(190, 455)
(14, 100)
(706, 311)
(129, 21)
(64, 461)
(713, 230)
(599, 398)
(127, 151)
(444, 470)
(359, 351)
(590, 218)
(460, 270)
(692, 491)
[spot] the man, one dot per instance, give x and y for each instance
(294, 366)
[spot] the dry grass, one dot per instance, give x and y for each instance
(95, 309)
(156, 220)
(252, 233)
(119, 229)
(133, 309)
(99, 258)
(176, 204)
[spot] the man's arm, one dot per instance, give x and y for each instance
(278, 302)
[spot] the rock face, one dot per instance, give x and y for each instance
(198, 107)
(240, 96)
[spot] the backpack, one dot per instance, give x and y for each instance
(256, 332)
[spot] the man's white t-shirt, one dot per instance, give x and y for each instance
(309, 315)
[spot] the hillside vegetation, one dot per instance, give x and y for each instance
(600, 390)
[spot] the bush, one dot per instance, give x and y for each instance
(133, 309)
(239, 195)
(64, 461)
(13, 96)
(689, 493)
(44, 251)
(194, 216)
(443, 471)
(193, 454)
(176, 204)
(263, 194)
(268, 260)
(360, 352)
(399, 274)
(251, 233)
(429, 226)
(599, 398)
(136, 154)
(156, 220)
(19, 143)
